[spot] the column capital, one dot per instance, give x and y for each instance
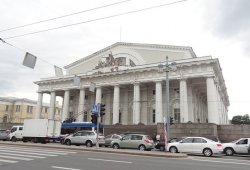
(118, 85)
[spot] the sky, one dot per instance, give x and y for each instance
(220, 28)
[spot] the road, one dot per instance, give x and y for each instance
(32, 158)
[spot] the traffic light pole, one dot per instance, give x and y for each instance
(167, 104)
(98, 124)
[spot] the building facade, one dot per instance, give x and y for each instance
(129, 79)
(15, 110)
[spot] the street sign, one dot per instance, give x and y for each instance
(94, 108)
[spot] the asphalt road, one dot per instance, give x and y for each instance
(27, 158)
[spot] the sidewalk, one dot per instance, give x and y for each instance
(101, 149)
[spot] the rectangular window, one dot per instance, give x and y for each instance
(154, 116)
(177, 115)
(153, 92)
(71, 97)
(29, 109)
(86, 97)
(18, 108)
(7, 108)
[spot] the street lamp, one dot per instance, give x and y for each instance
(166, 118)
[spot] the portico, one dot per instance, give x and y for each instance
(135, 93)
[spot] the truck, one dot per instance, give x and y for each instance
(36, 130)
(41, 130)
(239, 146)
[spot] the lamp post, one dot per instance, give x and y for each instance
(166, 118)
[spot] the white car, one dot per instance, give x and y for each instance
(238, 146)
(88, 138)
(198, 145)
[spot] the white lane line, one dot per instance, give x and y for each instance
(225, 162)
(58, 167)
(14, 157)
(29, 153)
(60, 151)
(33, 150)
(106, 160)
(28, 156)
(9, 161)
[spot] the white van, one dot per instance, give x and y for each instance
(16, 133)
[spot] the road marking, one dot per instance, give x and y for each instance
(47, 150)
(18, 158)
(9, 161)
(225, 162)
(29, 156)
(106, 160)
(34, 150)
(29, 153)
(58, 167)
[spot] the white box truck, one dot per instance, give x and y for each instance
(40, 130)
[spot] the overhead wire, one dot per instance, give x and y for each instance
(97, 19)
(63, 16)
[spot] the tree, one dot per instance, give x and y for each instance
(239, 119)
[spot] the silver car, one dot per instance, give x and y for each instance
(134, 141)
(4, 134)
(108, 139)
(88, 138)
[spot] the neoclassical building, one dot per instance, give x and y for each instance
(130, 82)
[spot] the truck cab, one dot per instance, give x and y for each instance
(16, 133)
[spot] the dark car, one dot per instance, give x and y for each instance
(4, 134)
(161, 145)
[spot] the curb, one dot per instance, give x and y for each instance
(103, 150)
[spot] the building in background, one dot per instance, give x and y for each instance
(130, 82)
(15, 110)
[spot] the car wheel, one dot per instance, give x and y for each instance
(142, 148)
(116, 146)
(89, 144)
(13, 139)
(162, 148)
(173, 149)
(207, 152)
(67, 142)
(229, 151)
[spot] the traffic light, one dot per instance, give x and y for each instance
(171, 120)
(94, 119)
(102, 109)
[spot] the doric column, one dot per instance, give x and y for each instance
(39, 106)
(212, 101)
(136, 105)
(183, 101)
(116, 104)
(65, 105)
(52, 105)
(158, 102)
(81, 105)
(98, 98)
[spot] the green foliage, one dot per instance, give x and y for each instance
(239, 119)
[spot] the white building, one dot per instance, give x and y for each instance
(128, 80)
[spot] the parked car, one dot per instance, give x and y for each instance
(4, 134)
(239, 146)
(108, 139)
(161, 145)
(88, 138)
(198, 145)
(134, 141)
